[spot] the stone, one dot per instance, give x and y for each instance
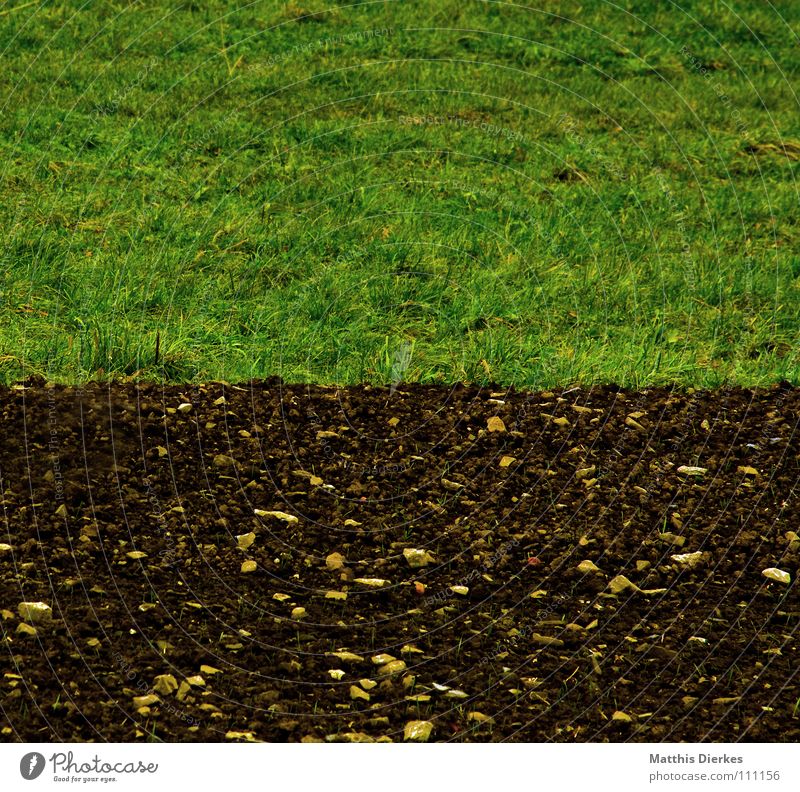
(196, 681)
(185, 407)
(335, 561)
(723, 701)
(26, 629)
(241, 736)
(747, 470)
(346, 657)
(673, 539)
(248, 567)
(588, 566)
(278, 515)
(354, 737)
(690, 560)
(620, 583)
(372, 582)
(298, 613)
(507, 461)
(35, 612)
(223, 461)
(777, 575)
(209, 670)
(357, 694)
(545, 640)
(336, 595)
(495, 424)
(691, 470)
(383, 659)
(462, 591)
(395, 667)
(5, 548)
(417, 559)
(418, 731)
(146, 701)
(367, 684)
(336, 673)
(243, 541)
(165, 684)
(587, 472)
(135, 555)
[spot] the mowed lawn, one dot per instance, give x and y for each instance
(447, 190)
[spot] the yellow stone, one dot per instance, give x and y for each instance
(418, 731)
(244, 541)
(495, 424)
(165, 684)
(357, 694)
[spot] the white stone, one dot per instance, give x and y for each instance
(418, 731)
(778, 575)
(691, 470)
(35, 612)
(279, 515)
(417, 558)
(688, 559)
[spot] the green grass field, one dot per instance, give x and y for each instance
(452, 190)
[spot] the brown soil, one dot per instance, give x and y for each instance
(538, 649)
